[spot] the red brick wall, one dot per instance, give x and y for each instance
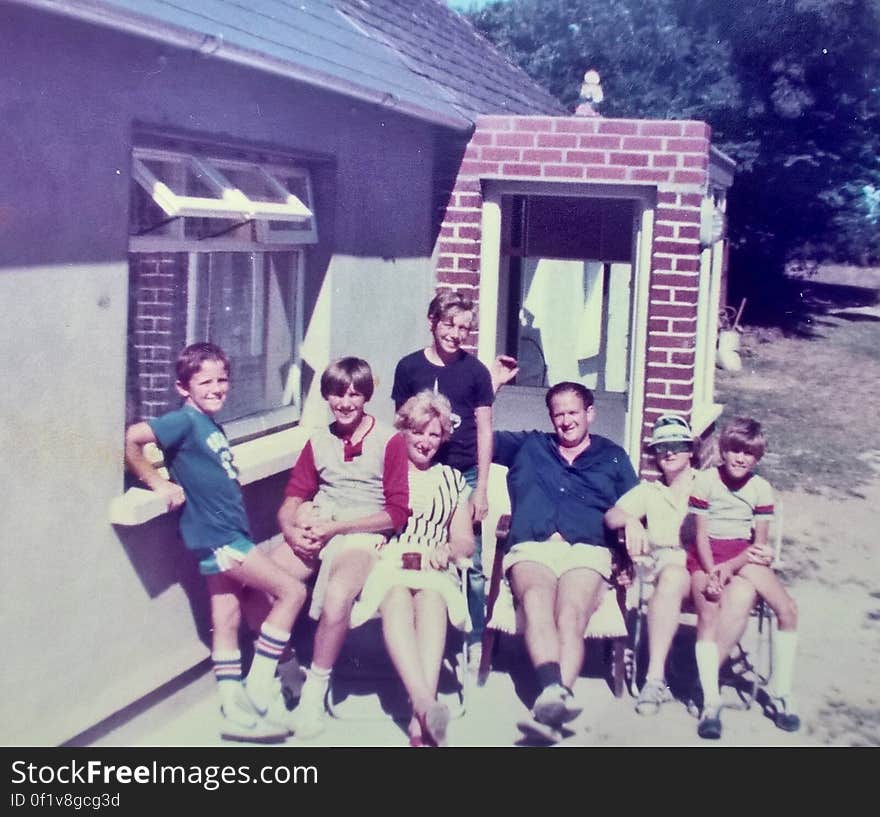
(670, 157)
(157, 321)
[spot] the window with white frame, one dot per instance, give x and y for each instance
(218, 253)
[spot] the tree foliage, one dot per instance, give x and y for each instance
(791, 89)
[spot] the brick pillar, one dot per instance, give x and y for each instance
(157, 331)
(672, 310)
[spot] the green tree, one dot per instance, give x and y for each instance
(791, 89)
(650, 65)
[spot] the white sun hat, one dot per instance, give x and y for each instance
(671, 428)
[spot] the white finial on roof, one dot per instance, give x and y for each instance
(591, 90)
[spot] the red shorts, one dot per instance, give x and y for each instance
(722, 551)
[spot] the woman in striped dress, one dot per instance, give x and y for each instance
(415, 585)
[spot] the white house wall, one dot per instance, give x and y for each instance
(94, 616)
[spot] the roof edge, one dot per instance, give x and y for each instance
(107, 16)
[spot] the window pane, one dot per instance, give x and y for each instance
(244, 302)
(181, 177)
(293, 231)
(146, 217)
(252, 183)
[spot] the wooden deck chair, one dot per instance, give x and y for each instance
(750, 666)
(608, 622)
(364, 684)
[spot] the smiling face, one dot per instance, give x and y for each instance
(347, 409)
(571, 419)
(207, 388)
(451, 331)
(422, 444)
(738, 464)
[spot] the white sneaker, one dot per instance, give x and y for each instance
(240, 721)
(276, 713)
(309, 719)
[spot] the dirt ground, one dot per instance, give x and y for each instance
(831, 566)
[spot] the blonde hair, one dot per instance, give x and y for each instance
(423, 407)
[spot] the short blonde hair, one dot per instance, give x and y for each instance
(423, 407)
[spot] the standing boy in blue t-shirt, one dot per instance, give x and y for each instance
(214, 526)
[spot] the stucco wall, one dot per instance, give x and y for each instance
(94, 617)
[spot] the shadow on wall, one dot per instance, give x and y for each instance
(161, 560)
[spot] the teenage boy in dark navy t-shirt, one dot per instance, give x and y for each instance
(444, 367)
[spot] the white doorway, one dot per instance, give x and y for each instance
(564, 271)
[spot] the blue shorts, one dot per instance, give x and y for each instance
(221, 559)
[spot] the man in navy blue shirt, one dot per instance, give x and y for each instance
(559, 558)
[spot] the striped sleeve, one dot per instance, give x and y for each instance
(763, 501)
(698, 502)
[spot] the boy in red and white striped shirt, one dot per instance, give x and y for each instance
(733, 509)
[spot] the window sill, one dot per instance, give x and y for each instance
(704, 415)
(255, 460)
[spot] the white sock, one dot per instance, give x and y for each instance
(707, 669)
(784, 649)
(227, 671)
(315, 687)
(270, 644)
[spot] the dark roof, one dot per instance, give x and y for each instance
(439, 44)
(416, 56)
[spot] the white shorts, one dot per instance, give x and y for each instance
(343, 543)
(560, 556)
(652, 564)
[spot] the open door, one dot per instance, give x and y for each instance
(566, 290)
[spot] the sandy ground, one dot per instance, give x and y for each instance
(828, 566)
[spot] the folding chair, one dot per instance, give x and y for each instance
(747, 670)
(365, 686)
(606, 623)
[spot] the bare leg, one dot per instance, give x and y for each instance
(225, 612)
(767, 583)
(672, 588)
(707, 611)
(255, 606)
(347, 577)
(577, 598)
(431, 634)
(262, 573)
(736, 604)
(399, 630)
(534, 587)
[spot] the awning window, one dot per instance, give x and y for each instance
(278, 199)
